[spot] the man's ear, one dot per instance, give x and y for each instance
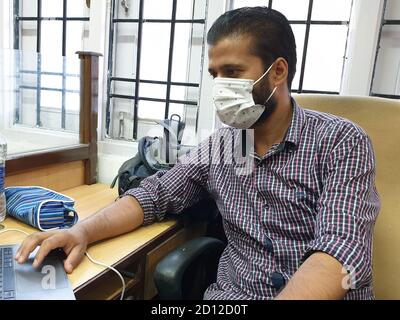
(280, 72)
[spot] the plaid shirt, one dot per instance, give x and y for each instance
(315, 191)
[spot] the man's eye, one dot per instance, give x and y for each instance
(230, 72)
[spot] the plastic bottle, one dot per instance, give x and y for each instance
(3, 155)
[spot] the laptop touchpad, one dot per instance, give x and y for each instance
(49, 276)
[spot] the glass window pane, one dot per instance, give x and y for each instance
(28, 8)
(155, 51)
(75, 37)
(151, 110)
(123, 88)
(72, 66)
(150, 90)
(121, 125)
(72, 83)
(72, 101)
(249, 3)
(28, 107)
(193, 60)
(185, 9)
(178, 93)
(125, 55)
(51, 37)
(387, 69)
(156, 9)
(27, 79)
(50, 81)
(51, 63)
(392, 10)
(28, 36)
(132, 12)
(77, 8)
(325, 58)
(332, 10)
(50, 99)
(178, 109)
(293, 10)
(182, 51)
(52, 8)
(28, 60)
(299, 32)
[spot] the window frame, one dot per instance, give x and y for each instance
(38, 88)
(136, 97)
(308, 23)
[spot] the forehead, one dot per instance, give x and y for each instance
(232, 51)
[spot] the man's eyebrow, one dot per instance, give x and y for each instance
(227, 66)
(232, 66)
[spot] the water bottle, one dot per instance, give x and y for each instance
(3, 154)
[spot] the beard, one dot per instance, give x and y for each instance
(260, 96)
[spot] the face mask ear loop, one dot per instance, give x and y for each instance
(270, 96)
(263, 75)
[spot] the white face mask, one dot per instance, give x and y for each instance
(233, 99)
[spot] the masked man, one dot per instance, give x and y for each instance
(298, 214)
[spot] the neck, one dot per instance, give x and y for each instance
(274, 128)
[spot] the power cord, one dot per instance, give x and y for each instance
(112, 269)
(88, 256)
(14, 230)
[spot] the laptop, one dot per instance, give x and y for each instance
(24, 282)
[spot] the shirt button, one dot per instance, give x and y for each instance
(269, 245)
(278, 281)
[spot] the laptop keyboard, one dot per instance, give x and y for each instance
(7, 276)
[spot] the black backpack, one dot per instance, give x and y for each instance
(154, 154)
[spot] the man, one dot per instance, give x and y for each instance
(300, 224)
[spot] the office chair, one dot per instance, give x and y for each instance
(380, 118)
(187, 271)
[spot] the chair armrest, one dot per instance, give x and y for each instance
(170, 270)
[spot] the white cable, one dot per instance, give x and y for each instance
(111, 268)
(89, 257)
(15, 230)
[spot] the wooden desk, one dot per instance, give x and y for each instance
(135, 253)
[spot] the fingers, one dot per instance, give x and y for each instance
(52, 242)
(30, 244)
(74, 258)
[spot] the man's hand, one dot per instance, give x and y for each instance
(73, 241)
(122, 216)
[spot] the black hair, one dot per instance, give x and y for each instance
(270, 30)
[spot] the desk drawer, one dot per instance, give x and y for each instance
(109, 285)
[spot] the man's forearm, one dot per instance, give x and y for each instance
(320, 277)
(122, 216)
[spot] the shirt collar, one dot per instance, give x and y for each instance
(293, 134)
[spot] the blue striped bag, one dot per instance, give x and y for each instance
(41, 208)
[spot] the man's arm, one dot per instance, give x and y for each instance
(120, 217)
(171, 191)
(320, 277)
(339, 257)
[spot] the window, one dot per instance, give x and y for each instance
(47, 34)
(386, 79)
(321, 30)
(155, 58)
